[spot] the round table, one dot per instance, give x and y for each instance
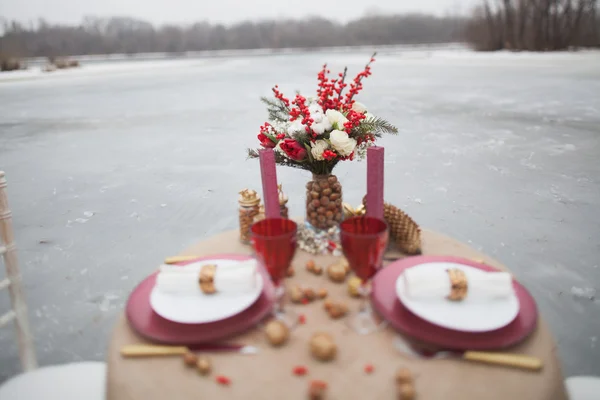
(268, 375)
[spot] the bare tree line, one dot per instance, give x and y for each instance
(535, 25)
(130, 36)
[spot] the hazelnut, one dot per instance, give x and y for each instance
(310, 265)
(190, 359)
(322, 293)
(332, 179)
(337, 310)
(403, 375)
(327, 305)
(295, 294)
(309, 294)
(406, 391)
(336, 272)
(322, 347)
(203, 365)
(316, 390)
(318, 270)
(290, 272)
(277, 332)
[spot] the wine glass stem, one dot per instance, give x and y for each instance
(364, 290)
(279, 293)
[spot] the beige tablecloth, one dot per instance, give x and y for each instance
(268, 375)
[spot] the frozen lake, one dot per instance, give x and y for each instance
(113, 167)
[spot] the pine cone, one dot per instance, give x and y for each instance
(405, 232)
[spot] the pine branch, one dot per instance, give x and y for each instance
(277, 109)
(374, 126)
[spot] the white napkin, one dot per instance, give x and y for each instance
(183, 280)
(433, 285)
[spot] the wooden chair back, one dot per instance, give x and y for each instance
(12, 283)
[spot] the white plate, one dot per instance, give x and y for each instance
(469, 315)
(200, 308)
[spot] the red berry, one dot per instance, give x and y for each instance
(305, 301)
(302, 319)
(300, 370)
(369, 368)
(223, 380)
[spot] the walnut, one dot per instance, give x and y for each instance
(322, 293)
(322, 346)
(203, 365)
(336, 272)
(277, 332)
(353, 286)
(190, 359)
(295, 294)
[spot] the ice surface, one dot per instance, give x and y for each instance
(501, 149)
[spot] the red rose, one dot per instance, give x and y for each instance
(265, 141)
(293, 149)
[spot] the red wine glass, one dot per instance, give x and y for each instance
(364, 240)
(274, 242)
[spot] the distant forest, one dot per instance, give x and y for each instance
(130, 36)
(534, 25)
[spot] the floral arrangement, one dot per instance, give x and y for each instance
(316, 133)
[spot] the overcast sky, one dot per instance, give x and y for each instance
(227, 11)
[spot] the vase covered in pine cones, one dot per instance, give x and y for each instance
(316, 133)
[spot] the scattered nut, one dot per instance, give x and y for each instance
(190, 359)
(322, 346)
(310, 265)
(310, 294)
(316, 390)
(353, 286)
(322, 293)
(404, 376)
(295, 294)
(277, 332)
(406, 391)
(336, 272)
(337, 310)
(203, 365)
(290, 272)
(346, 265)
(327, 305)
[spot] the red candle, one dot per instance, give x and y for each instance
(375, 181)
(269, 183)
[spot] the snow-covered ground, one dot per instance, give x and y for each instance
(116, 165)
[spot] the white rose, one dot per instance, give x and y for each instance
(316, 112)
(318, 128)
(295, 126)
(336, 118)
(359, 107)
(326, 124)
(342, 143)
(317, 149)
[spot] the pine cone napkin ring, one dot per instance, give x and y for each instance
(207, 279)
(458, 285)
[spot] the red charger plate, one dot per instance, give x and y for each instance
(387, 304)
(152, 326)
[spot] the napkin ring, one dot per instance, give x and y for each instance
(458, 285)
(207, 278)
